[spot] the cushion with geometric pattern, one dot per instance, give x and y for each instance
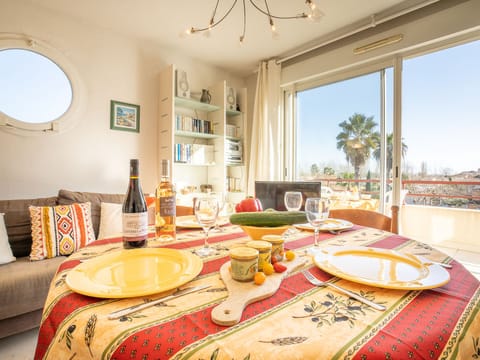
(60, 230)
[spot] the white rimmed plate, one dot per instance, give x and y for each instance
(383, 268)
(327, 225)
(190, 222)
(135, 272)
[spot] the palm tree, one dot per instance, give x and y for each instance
(357, 139)
(376, 152)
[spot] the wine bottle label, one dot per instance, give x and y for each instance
(135, 225)
(167, 206)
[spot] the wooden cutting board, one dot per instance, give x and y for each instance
(240, 294)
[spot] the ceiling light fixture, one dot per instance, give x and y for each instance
(313, 13)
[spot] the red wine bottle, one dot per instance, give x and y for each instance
(134, 212)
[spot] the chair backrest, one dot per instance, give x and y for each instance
(184, 210)
(368, 218)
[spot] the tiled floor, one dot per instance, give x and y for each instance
(20, 346)
(469, 259)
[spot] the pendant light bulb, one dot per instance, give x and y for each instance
(315, 13)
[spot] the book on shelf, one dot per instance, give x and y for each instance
(195, 154)
(189, 123)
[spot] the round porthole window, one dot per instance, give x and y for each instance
(36, 91)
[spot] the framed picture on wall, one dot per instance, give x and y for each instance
(124, 116)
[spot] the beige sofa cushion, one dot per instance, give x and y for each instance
(27, 289)
(67, 197)
(17, 222)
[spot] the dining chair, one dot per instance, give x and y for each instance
(184, 210)
(368, 218)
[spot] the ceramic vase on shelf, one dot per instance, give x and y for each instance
(206, 97)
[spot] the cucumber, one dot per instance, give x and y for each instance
(269, 218)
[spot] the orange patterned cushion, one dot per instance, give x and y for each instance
(60, 230)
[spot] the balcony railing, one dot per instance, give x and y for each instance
(445, 193)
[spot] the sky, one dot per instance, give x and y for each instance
(33, 88)
(440, 112)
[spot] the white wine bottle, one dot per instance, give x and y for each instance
(165, 206)
(134, 212)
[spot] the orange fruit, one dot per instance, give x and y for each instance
(290, 255)
(268, 269)
(259, 278)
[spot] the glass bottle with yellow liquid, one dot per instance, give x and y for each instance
(165, 206)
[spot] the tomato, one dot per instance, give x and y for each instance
(249, 204)
(279, 268)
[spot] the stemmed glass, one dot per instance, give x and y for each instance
(293, 200)
(222, 199)
(206, 212)
(317, 210)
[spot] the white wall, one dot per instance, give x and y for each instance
(92, 157)
(447, 227)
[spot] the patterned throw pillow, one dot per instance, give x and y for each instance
(60, 230)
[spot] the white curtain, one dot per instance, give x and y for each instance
(266, 150)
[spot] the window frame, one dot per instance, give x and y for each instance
(70, 117)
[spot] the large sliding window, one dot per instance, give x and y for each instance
(441, 125)
(341, 132)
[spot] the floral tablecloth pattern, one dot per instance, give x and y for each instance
(299, 321)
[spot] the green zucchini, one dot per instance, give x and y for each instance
(268, 218)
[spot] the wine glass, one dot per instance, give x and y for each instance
(206, 212)
(317, 210)
(293, 200)
(222, 199)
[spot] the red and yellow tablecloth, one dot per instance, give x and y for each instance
(299, 322)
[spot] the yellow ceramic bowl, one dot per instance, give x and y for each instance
(256, 232)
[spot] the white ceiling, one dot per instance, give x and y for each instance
(165, 22)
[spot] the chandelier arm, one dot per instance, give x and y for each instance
(299, 16)
(212, 20)
(244, 22)
(268, 10)
(193, 30)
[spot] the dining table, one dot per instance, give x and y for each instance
(298, 321)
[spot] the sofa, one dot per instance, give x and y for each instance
(24, 284)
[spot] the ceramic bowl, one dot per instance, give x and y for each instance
(256, 232)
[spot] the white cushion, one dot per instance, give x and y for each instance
(6, 254)
(110, 220)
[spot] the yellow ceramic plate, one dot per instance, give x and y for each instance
(135, 272)
(190, 222)
(328, 225)
(381, 267)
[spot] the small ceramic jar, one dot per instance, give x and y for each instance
(244, 262)
(264, 252)
(277, 245)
